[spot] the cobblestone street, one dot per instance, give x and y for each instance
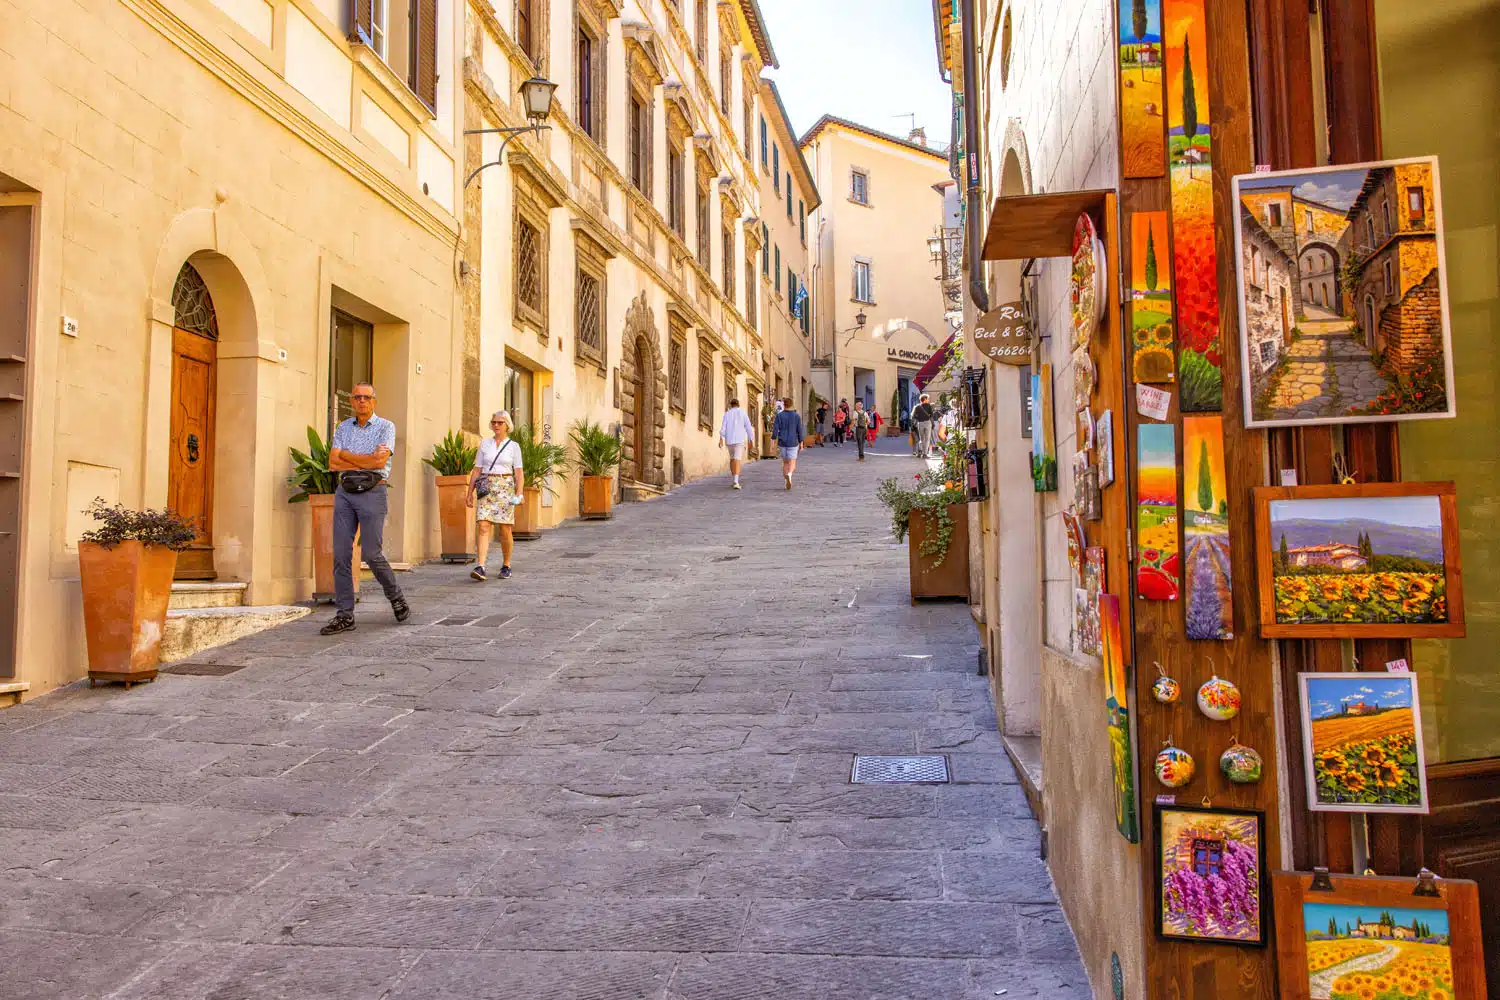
(622, 774)
(1325, 372)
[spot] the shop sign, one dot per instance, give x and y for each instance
(896, 354)
(1003, 335)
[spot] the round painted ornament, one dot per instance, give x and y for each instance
(1241, 764)
(1219, 699)
(1165, 689)
(1175, 766)
(1087, 281)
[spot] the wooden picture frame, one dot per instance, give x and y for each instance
(1179, 832)
(1392, 583)
(1373, 917)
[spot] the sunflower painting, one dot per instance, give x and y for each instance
(1153, 337)
(1362, 737)
(1377, 953)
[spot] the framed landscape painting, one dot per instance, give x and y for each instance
(1343, 294)
(1362, 743)
(1352, 937)
(1210, 874)
(1367, 560)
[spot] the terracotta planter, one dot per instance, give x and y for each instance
(322, 537)
(125, 594)
(598, 497)
(529, 515)
(949, 578)
(456, 519)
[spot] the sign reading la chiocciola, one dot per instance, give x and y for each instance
(1002, 335)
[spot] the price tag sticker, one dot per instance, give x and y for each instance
(1288, 477)
(1166, 800)
(1398, 666)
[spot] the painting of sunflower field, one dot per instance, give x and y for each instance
(1362, 736)
(1359, 561)
(1377, 953)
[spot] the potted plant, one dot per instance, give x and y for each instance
(125, 568)
(315, 484)
(453, 459)
(543, 461)
(598, 455)
(929, 512)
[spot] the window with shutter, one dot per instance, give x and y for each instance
(525, 27)
(765, 250)
(700, 35)
(585, 71)
(864, 290)
(765, 142)
(424, 53)
(704, 251)
(778, 270)
(676, 201)
(776, 168)
(788, 194)
(362, 22)
(677, 374)
(705, 387)
(750, 131)
(726, 81)
(637, 144)
(751, 291)
(802, 220)
(729, 268)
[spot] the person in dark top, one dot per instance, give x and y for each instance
(788, 433)
(822, 417)
(922, 418)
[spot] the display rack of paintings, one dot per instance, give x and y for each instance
(1117, 682)
(1362, 743)
(1153, 337)
(1206, 577)
(1194, 259)
(1142, 130)
(1348, 937)
(1157, 571)
(1210, 874)
(1343, 294)
(1043, 432)
(1363, 560)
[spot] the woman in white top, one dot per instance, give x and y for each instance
(498, 465)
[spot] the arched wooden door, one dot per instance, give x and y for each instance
(645, 420)
(190, 468)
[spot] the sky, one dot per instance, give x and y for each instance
(866, 60)
(1334, 188)
(1327, 694)
(1410, 512)
(1315, 916)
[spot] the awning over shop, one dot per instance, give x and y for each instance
(934, 364)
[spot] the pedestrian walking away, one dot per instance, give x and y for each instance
(922, 420)
(497, 485)
(788, 433)
(360, 452)
(859, 426)
(735, 432)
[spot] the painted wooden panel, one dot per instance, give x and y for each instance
(1207, 574)
(1153, 335)
(1043, 432)
(1117, 703)
(1156, 514)
(1194, 257)
(1142, 106)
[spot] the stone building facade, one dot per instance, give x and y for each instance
(1392, 232)
(1270, 277)
(610, 255)
(230, 211)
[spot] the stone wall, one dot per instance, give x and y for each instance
(1412, 329)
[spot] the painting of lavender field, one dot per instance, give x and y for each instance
(1207, 579)
(1210, 875)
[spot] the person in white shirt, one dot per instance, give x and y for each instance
(735, 433)
(499, 466)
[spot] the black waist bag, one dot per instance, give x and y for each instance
(359, 481)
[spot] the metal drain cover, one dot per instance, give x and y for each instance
(924, 770)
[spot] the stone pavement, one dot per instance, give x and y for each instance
(622, 774)
(1326, 372)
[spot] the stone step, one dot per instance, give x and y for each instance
(192, 630)
(214, 594)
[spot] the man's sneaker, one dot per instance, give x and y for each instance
(479, 574)
(401, 609)
(341, 623)
(735, 486)
(505, 572)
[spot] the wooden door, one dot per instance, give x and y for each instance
(190, 472)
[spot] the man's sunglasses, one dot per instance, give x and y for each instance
(361, 398)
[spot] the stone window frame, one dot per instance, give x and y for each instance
(531, 210)
(540, 13)
(677, 368)
(704, 220)
(590, 19)
(730, 377)
(639, 144)
(700, 30)
(869, 197)
(679, 136)
(854, 289)
(749, 125)
(726, 78)
(729, 262)
(751, 290)
(705, 385)
(590, 262)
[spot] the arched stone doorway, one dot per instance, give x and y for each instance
(643, 402)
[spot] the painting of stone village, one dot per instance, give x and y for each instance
(1344, 312)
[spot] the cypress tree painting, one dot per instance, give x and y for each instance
(1206, 568)
(1143, 139)
(1194, 258)
(1152, 334)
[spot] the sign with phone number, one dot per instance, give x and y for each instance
(1002, 335)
